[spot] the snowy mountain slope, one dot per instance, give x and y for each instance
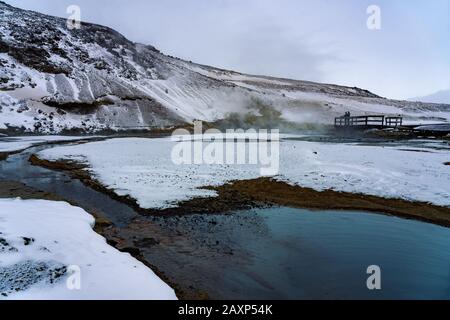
(442, 96)
(54, 79)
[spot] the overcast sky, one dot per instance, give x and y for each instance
(318, 40)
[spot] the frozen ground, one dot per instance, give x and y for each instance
(143, 169)
(394, 172)
(12, 144)
(42, 245)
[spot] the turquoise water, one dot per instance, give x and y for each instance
(305, 254)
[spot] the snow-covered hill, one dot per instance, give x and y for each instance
(442, 96)
(53, 79)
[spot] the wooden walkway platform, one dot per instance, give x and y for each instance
(368, 122)
(349, 124)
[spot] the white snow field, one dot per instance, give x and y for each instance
(46, 245)
(143, 169)
(15, 144)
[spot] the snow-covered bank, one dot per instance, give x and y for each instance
(42, 245)
(14, 144)
(143, 169)
(415, 174)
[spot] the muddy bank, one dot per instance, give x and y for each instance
(263, 192)
(272, 192)
(5, 155)
(13, 189)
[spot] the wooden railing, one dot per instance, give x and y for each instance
(380, 121)
(359, 121)
(394, 122)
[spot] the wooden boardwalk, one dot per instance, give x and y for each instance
(349, 124)
(368, 122)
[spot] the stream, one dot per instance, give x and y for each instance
(273, 253)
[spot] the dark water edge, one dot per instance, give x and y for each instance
(276, 253)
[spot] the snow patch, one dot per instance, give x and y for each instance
(144, 170)
(47, 238)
